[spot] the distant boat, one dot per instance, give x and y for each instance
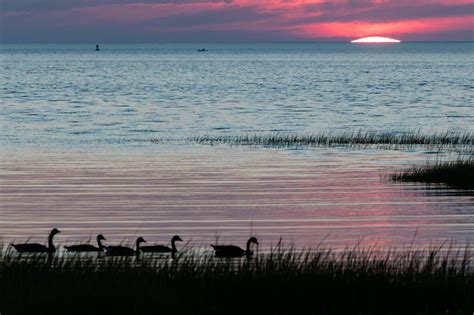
(202, 50)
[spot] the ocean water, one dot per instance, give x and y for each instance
(59, 94)
(73, 122)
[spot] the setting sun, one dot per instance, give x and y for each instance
(376, 39)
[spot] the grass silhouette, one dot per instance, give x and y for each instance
(284, 281)
(458, 173)
(358, 139)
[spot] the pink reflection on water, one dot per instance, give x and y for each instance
(204, 193)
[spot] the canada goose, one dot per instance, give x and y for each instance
(88, 247)
(124, 250)
(227, 251)
(162, 248)
(38, 248)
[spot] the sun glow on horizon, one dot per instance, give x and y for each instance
(375, 39)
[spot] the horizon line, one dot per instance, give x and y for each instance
(223, 42)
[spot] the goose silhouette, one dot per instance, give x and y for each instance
(38, 248)
(162, 248)
(88, 247)
(229, 251)
(119, 250)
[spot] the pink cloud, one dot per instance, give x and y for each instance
(356, 29)
(297, 19)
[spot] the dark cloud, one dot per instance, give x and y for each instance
(50, 5)
(216, 16)
(121, 34)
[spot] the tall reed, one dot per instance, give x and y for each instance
(359, 139)
(457, 173)
(284, 281)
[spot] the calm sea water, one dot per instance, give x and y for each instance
(71, 117)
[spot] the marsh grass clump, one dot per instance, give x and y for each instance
(458, 173)
(280, 282)
(359, 139)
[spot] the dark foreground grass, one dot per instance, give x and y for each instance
(283, 282)
(359, 139)
(458, 173)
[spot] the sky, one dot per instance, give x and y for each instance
(130, 21)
